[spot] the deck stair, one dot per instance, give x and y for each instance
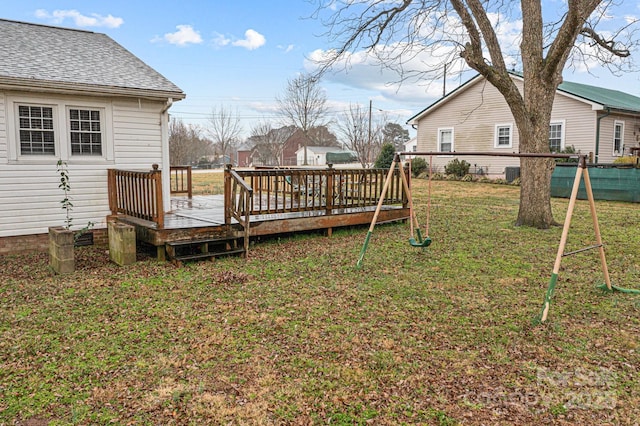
(191, 250)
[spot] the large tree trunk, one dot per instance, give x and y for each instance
(535, 173)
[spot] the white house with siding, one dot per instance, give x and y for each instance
(79, 97)
(475, 117)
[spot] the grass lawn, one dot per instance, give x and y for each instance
(295, 334)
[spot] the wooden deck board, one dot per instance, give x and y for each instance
(203, 217)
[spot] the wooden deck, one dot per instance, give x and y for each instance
(260, 203)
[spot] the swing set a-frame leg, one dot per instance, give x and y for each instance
(385, 187)
(581, 172)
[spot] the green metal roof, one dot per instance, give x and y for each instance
(608, 98)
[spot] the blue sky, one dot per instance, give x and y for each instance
(239, 54)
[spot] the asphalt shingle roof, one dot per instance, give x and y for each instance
(61, 55)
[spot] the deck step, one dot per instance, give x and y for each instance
(182, 243)
(209, 255)
(191, 250)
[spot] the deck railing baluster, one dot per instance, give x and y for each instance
(136, 194)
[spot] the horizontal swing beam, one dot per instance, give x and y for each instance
(582, 249)
(582, 157)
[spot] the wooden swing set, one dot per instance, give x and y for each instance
(582, 173)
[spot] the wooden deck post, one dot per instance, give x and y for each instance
(227, 195)
(330, 189)
(112, 191)
(159, 206)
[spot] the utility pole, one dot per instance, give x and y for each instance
(369, 137)
(444, 82)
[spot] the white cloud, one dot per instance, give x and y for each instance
(252, 40)
(185, 35)
(221, 41)
(93, 20)
(287, 48)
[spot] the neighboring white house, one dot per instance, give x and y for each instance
(79, 97)
(411, 146)
(316, 155)
(475, 117)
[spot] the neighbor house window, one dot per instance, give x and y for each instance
(556, 139)
(85, 132)
(36, 130)
(445, 140)
(503, 136)
(618, 137)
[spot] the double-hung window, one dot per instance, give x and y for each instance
(35, 128)
(43, 128)
(556, 137)
(445, 140)
(503, 136)
(618, 138)
(85, 132)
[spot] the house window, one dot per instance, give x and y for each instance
(85, 132)
(445, 140)
(36, 130)
(503, 136)
(618, 138)
(556, 139)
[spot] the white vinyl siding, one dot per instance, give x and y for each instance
(503, 136)
(29, 193)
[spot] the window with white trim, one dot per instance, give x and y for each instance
(40, 128)
(85, 132)
(556, 137)
(618, 138)
(503, 136)
(445, 140)
(35, 125)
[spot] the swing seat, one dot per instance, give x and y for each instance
(416, 243)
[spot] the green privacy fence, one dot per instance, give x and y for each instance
(608, 182)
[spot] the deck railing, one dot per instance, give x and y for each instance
(180, 180)
(277, 190)
(238, 196)
(137, 194)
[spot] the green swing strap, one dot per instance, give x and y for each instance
(620, 289)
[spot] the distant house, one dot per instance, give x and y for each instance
(243, 155)
(318, 155)
(79, 97)
(475, 117)
(411, 145)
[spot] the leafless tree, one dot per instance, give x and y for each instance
(225, 129)
(303, 105)
(269, 143)
(414, 37)
(186, 145)
(360, 137)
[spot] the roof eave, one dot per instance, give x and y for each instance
(36, 85)
(416, 118)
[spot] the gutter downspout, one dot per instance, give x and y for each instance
(166, 162)
(598, 133)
